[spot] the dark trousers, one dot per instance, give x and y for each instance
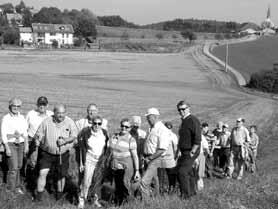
(216, 157)
(209, 166)
(224, 158)
(187, 175)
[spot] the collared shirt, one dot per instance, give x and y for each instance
(239, 136)
(84, 122)
(12, 124)
(96, 143)
(168, 160)
(204, 145)
(158, 138)
(34, 119)
(225, 139)
(49, 131)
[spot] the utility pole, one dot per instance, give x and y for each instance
(227, 57)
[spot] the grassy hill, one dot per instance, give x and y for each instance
(251, 57)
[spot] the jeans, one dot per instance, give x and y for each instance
(187, 175)
(90, 166)
(15, 162)
(236, 162)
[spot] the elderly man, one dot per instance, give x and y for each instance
(239, 138)
(156, 145)
(92, 111)
(14, 137)
(54, 137)
(189, 146)
(34, 119)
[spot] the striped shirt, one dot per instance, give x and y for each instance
(121, 147)
(13, 124)
(49, 131)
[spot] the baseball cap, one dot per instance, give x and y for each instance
(15, 101)
(240, 120)
(152, 111)
(42, 101)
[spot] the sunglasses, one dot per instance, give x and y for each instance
(123, 126)
(95, 123)
(182, 109)
(16, 105)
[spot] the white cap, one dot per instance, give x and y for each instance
(226, 125)
(240, 120)
(136, 120)
(15, 101)
(152, 111)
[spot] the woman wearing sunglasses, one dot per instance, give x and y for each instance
(125, 163)
(94, 139)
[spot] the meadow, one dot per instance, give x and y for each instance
(251, 57)
(124, 84)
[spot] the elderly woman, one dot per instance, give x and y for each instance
(124, 163)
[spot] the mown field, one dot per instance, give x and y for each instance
(251, 57)
(125, 84)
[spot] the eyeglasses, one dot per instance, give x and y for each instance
(123, 126)
(95, 123)
(182, 109)
(16, 106)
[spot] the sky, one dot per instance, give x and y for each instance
(152, 11)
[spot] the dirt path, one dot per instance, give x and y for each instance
(255, 109)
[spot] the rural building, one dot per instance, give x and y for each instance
(45, 34)
(26, 35)
(14, 19)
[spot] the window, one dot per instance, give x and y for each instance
(53, 34)
(63, 35)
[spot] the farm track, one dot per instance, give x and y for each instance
(255, 109)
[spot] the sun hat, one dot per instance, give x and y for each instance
(152, 111)
(15, 101)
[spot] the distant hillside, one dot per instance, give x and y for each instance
(116, 21)
(204, 26)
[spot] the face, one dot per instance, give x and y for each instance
(42, 108)
(225, 129)
(205, 129)
(183, 110)
(151, 120)
(125, 127)
(92, 111)
(239, 124)
(15, 109)
(219, 125)
(252, 130)
(96, 125)
(60, 114)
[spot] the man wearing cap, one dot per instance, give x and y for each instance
(156, 145)
(54, 137)
(140, 136)
(34, 119)
(14, 137)
(239, 138)
(189, 146)
(92, 111)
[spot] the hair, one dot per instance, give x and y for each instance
(168, 124)
(57, 106)
(205, 124)
(253, 126)
(125, 120)
(182, 102)
(97, 118)
(91, 104)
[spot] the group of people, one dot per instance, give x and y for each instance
(130, 160)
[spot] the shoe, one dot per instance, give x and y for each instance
(97, 204)
(81, 203)
(59, 195)
(38, 197)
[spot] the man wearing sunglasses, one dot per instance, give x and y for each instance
(14, 137)
(189, 146)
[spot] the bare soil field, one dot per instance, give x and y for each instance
(251, 57)
(125, 84)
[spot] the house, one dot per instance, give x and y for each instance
(45, 34)
(26, 35)
(14, 19)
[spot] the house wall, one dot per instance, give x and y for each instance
(26, 37)
(60, 37)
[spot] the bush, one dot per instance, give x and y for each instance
(159, 36)
(266, 81)
(55, 44)
(11, 36)
(219, 36)
(125, 36)
(78, 41)
(188, 34)
(227, 36)
(174, 36)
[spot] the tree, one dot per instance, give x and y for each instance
(188, 34)
(20, 7)
(49, 15)
(27, 18)
(7, 8)
(159, 36)
(11, 36)
(85, 27)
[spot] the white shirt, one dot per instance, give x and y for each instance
(12, 124)
(141, 133)
(158, 138)
(84, 122)
(96, 143)
(204, 144)
(34, 119)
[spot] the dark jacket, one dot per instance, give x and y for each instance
(189, 133)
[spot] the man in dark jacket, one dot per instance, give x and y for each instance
(189, 146)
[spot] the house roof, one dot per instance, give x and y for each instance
(14, 16)
(25, 29)
(52, 28)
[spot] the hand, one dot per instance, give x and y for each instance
(26, 150)
(37, 142)
(191, 154)
(61, 141)
(147, 160)
(81, 168)
(136, 176)
(8, 151)
(17, 134)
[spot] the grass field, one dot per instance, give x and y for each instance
(125, 84)
(251, 57)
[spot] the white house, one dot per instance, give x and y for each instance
(47, 33)
(26, 35)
